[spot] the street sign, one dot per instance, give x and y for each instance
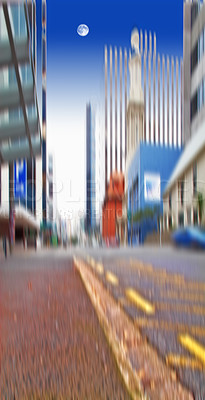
(152, 187)
(20, 179)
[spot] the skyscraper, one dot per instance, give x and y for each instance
(44, 69)
(90, 170)
(20, 126)
(186, 183)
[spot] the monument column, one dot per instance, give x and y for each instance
(110, 110)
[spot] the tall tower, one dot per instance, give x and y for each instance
(44, 61)
(90, 170)
(135, 109)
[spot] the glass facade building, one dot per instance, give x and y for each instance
(20, 123)
(18, 104)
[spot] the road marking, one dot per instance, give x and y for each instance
(187, 296)
(177, 360)
(164, 275)
(112, 278)
(179, 308)
(99, 268)
(193, 346)
(140, 301)
(142, 266)
(185, 308)
(142, 322)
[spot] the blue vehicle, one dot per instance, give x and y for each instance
(190, 237)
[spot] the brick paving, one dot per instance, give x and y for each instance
(51, 343)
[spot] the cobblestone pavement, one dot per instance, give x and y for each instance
(51, 344)
(167, 307)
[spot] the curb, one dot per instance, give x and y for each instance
(145, 375)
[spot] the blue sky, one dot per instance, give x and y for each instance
(75, 69)
(79, 60)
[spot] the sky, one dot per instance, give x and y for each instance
(75, 73)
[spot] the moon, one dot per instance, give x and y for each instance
(83, 30)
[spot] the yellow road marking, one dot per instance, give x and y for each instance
(140, 301)
(187, 296)
(193, 346)
(163, 275)
(169, 326)
(142, 266)
(177, 360)
(112, 278)
(99, 268)
(179, 308)
(185, 308)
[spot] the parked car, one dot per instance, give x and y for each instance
(189, 237)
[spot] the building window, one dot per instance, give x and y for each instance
(50, 189)
(194, 12)
(194, 58)
(189, 216)
(198, 99)
(195, 217)
(198, 50)
(182, 193)
(170, 222)
(200, 46)
(181, 219)
(195, 179)
(194, 103)
(170, 201)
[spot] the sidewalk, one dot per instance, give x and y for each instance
(52, 346)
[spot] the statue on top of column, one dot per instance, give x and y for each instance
(136, 92)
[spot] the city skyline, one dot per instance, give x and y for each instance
(76, 73)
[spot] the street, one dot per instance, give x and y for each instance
(163, 291)
(52, 345)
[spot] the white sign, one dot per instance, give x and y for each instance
(152, 190)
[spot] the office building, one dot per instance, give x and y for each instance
(51, 192)
(187, 180)
(90, 171)
(20, 123)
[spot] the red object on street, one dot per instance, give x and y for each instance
(112, 207)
